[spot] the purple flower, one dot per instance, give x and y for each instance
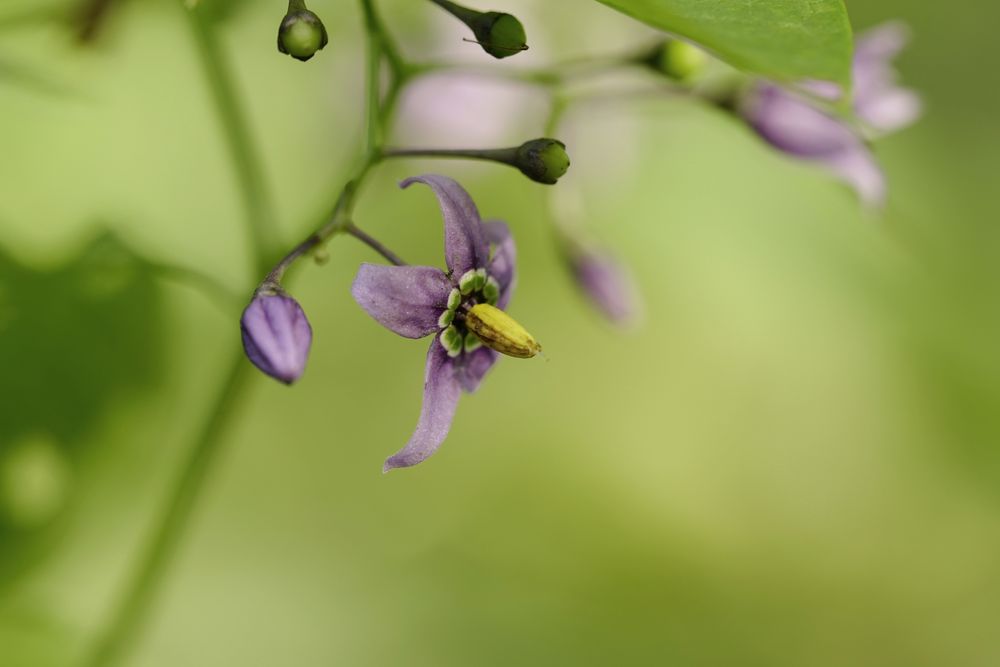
(417, 301)
(605, 282)
(796, 127)
(879, 101)
(276, 334)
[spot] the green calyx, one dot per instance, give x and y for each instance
(301, 34)
(501, 35)
(543, 160)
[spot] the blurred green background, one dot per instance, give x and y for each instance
(795, 460)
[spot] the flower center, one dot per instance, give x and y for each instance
(475, 286)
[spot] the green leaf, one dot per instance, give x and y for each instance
(787, 40)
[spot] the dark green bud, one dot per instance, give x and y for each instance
(301, 34)
(677, 60)
(500, 35)
(542, 160)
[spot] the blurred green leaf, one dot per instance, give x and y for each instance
(72, 340)
(783, 39)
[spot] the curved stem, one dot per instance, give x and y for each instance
(463, 14)
(246, 165)
(374, 244)
(227, 300)
(142, 586)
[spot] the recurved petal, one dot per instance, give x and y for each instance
(883, 42)
(859, 169)
(890, 110)
(793, 126)
(464, 243)
(405, 299)
(441, 393)
(503, 264)
(472, 367)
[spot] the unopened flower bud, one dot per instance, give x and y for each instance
(605, 283)
(677, 60)
(499, 331)
(500, 35)
(542, 160)
(276, 334)
(301, 34)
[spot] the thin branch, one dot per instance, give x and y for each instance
(243, 153)
(374, 244)
(133, 608)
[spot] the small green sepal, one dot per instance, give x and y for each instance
(447, 317)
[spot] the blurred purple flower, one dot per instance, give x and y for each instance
(878, 99)
(276, 334)
(605, 282)
(416, 301)
(798, 128)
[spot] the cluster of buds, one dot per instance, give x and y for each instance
(464, 309)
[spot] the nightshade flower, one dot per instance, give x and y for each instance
(796, 127)
(417, 301)
(276, 334)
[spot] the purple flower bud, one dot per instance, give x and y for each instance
(606, 284)
(276, 334)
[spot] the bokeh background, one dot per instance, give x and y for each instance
(795, 460)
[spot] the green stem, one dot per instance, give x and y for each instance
(133, 608)
(377, 31)
(296, 6)
(246, 164)
(463, 14)
(506, 156)
(377, 116)
(373, 80)
(374, 244)
(228, 301)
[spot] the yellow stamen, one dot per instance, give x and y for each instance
(499, 331)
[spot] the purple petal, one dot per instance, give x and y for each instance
(504, 262)
(464, 244)
(859, 169)
(441, 393)
(276, 336)
(405, 299)
(606, 284)
(796, 128)
(890, 110)
(878, 99)
(883, 42)
(793, 126)
(471, 367)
